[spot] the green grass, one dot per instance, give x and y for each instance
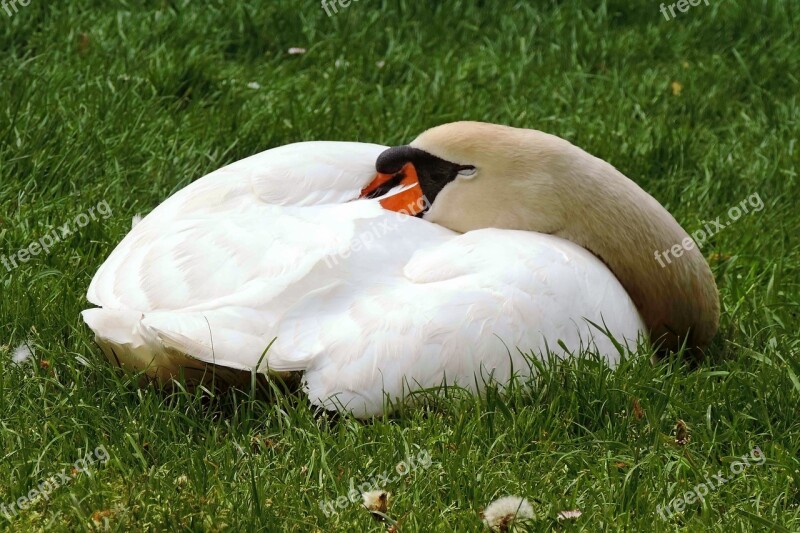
(128, 102)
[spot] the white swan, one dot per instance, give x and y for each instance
(524, 240)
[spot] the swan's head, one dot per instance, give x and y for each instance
(470, 175)
(474, 175)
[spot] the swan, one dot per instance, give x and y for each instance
(375, 271)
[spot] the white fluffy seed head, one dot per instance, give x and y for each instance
(505, 511)
(21, 354)
(376, 501)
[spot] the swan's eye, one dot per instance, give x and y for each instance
(467, 172)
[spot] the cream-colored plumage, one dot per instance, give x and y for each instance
(367, 303)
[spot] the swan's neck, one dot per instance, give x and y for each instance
(656, 261)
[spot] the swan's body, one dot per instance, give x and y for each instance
(364, 301)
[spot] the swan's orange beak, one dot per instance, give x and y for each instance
(409, 200)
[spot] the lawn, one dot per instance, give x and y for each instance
(106, 108)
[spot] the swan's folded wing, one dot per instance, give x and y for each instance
(235, 243)
(221, 290)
